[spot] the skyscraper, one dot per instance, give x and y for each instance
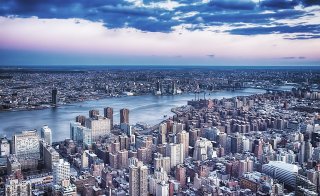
(138, 179)
(308, 151)
(183, 138)
(124, 116)
(46, 134)
(108, 113)
(54, 96)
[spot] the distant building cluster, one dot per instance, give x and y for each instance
(37, 89)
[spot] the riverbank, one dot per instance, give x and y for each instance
(149, 109)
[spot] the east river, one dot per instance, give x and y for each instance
(148, 109)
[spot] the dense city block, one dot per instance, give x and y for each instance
(261, 144)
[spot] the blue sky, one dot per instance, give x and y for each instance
(160, 32)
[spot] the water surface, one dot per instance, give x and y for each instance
(149, 109)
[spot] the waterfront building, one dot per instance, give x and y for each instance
(26, 146)
(108, 113)
(100, 127)
(54, 94)
(46, 134)
(4, 147)
(81, 119)
(93, 113)
(80, 134)
(124, 116)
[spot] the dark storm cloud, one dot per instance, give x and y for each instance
(315, 29)
(279, 4)
(234, 5)
(122, 13)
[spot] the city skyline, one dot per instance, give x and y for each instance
(181, 32)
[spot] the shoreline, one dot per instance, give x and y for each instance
(48, 106)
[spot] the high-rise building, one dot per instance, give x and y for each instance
(81, 119)
(124, 116)
(222, 139)
(308, 151)
(50, 156)
(108, 113)
(162, 189)
(162, 137)
(13, 165)
(115, 146)
(174, 88)
(124, 142)
(181, 174)
(74, 135)
(122, 159)
(203, 150)
(17, 187)
(142, 155)
(4, 147)
(158, 177)
(242, 167)
(80, 134)
(194, 135)
(93, 113)
(100, 127)
(162, 162)
(54, 96)
(177, 127)
(26, 146)
(302, 153)
(46, 134)
(175, 152)
(183, 138)
(61, 172)
(138, 179)
(236, 141)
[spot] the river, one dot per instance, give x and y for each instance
(149, 109)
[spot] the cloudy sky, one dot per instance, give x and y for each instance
(160, 32)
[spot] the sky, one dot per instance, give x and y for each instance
(160, 32)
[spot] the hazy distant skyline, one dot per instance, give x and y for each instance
(155, 32)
